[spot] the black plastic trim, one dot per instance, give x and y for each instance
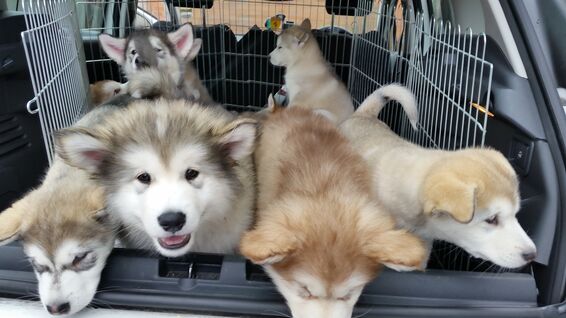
(551, 278)
(134, 280)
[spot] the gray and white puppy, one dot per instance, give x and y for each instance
(158, 63)
(178, 175)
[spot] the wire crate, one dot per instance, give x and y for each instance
(370, 45)
(56, 62)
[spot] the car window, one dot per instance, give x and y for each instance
(12, 5)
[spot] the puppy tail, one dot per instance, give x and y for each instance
(374, 103)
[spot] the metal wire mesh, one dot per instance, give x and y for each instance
(443, 66)
(56, 63)
(379, 44)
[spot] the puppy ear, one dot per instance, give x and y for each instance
(303, 38)
(306, 24)
(96, 200)
(113, 47)
(193, 52)
(447, 194)
(238, 140)
(101, 216)
(81, 149)
(11, 222)
(268, 244)
(396, 249)
(270, 102)
(182, 40)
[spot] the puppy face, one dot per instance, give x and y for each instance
(103, 91)
(67, 280)
(150, 48)
(164, 167)
(289, 45)
(321, 265)
(472, 201)
(493, 234)
(307, 295)
(67, 238)
(167, 198)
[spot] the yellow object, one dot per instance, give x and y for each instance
(275, 23)
(482, 109)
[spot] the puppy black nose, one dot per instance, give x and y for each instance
(529, 256)
(172, 221)
(139, 62)
(60, 309)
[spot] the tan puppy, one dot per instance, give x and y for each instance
(311, 82)
(467, 197)
(319, 234)
(103, 91)
(65, 232)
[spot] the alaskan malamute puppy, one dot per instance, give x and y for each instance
(65, 232)
(311, 82)
(158, 63)
(179, 175)
(468, 197)
(319, 233)
(103, 91)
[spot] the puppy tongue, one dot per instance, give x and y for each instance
(173, 240)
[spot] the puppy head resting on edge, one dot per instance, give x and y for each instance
(67, 237)
(290, 42)
(172, 171)
(320, 236)
(469, 197)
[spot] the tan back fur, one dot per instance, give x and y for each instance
(315, 211)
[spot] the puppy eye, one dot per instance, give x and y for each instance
(40, 268)
(191, 174)
(306, 293)
(279, 47)
(117, 91)
(158, 50)
(494, 220)
(79, 258)
(133, 52)
(345, 298)
(144, 178)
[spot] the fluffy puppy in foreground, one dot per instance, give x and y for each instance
(467, 197)
(319, 234)
(311, 82)
(178, 175)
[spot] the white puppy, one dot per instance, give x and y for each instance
(467, 197)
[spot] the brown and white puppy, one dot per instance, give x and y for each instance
(159, 64)
(65, 232)
(467, 197)
(310, 80)
(319, 234)
(178, 175)
(103, 91)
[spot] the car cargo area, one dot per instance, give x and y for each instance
(471, 92)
